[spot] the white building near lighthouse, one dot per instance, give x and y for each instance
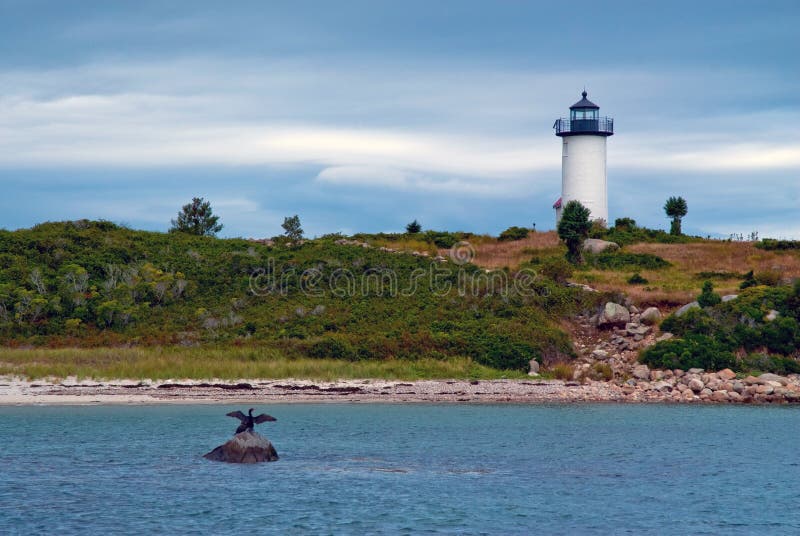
(583, 158)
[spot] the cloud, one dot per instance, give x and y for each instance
(461, 124)
(396, 179)
(467, 133)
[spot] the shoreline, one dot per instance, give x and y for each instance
(15, 391)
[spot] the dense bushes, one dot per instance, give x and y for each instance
(556, 268)
(708, 298)
(440, 239)
(95, 283)
(513, 233)
(693, 351)
(625, 232)
(761, 323)
(770, 363)
(771, 244)
(622, 261)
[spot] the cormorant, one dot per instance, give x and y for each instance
(248, 421)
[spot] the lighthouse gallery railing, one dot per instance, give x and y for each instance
(601, 124)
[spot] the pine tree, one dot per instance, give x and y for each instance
(676, 208)
(573, 229)
(196, 218)
(292, 229)
(414, 227)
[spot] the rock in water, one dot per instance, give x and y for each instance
(246, 447)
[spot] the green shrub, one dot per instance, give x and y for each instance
(331, 348)
(740, 325)
(501, 352)
(767, 363)
(693, 351)
(749, 281)
(696, 321)
(620, 261)
(708, 298)
(626, 224)
(513, 233)
(724, 276)
(781, 336)
(768, 278)
(772, 244)
(556, 268)
(442, 239)
(627, 234)
(637, 279)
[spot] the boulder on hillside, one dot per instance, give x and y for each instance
(726, 374)
(650, 316)
(687, 307)
(769, 377)
(641, 372)
(245, 447)
(595, 245)
(613, 314)
(729, 297)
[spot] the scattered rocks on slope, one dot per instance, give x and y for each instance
(650, 316)
(687, 307)
(613, 314)
(641, 372)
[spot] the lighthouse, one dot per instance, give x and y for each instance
(583, 158)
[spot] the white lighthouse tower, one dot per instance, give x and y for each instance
(583, 158)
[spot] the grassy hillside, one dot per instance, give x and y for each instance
(690, 263)
(95, 284)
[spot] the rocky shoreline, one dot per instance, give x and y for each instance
(606, 370)
(659, 387)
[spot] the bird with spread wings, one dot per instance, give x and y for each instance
(248, 421)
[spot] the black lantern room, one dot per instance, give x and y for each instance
(584, 119)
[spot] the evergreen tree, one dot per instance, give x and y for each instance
(292, 229)
(573, 229)
(676, 208)
(708, 298)
(414, 227)
(196, 218)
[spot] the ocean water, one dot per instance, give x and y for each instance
(404, 469)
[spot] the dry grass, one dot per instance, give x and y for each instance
(407, 245)
(737, 257)
(491, 253)
(676, 285)
(681, 283)
(160, 363)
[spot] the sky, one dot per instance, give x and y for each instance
(360, 116)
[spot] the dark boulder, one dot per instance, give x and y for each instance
(245, 447)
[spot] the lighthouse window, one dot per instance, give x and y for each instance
(584, 114)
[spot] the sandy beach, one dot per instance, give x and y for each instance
(18, 391)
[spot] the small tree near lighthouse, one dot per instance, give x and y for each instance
(573, 229)
(676, 208)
